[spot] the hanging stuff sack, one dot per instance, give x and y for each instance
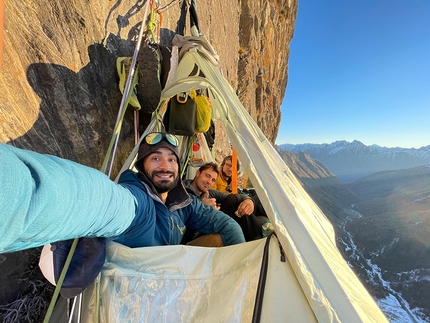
(182, 115)
(201, 153)
(203, 112)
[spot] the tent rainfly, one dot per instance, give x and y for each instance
(313, 283)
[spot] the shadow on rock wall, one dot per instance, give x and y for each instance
(76, 118)
(78, 110)
(77, 114)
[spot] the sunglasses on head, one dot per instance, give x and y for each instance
(155, 137)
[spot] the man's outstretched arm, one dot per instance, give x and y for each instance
(44, 198)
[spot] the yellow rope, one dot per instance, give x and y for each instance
(151, 26)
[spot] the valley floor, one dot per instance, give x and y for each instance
(394, 306)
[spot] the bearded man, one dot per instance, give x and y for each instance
(45, 198)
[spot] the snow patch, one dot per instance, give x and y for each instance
(394, 306)
(422, 198)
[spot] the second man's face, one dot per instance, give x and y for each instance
(204, 180)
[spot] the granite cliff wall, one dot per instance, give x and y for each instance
(59, 89)
(58, 83)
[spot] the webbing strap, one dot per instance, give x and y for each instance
(60, 281)
(234, 170)
(191, 141)
(194, 20)
(151, 26)
(258, 305)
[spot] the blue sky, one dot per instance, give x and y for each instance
(359, 70)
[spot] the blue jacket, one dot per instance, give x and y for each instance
(44, 199)
(157, 223)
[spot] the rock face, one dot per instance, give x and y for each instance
(58, 83)
(59, 89)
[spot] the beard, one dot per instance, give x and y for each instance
(202, 188)
(163, 185)
(225, 175)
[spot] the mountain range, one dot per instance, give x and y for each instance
(382, 224)
(352, 160)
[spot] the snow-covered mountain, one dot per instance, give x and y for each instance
(352, 160)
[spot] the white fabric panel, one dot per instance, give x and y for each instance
(191, 284)
(194, 284)
(332, 289)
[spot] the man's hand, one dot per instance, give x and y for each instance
(210, 201)
(245, 208)
(240, 181)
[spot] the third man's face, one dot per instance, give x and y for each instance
(227, 168)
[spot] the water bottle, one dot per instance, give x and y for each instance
(267, 228)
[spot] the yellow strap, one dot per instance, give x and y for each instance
(151, 26)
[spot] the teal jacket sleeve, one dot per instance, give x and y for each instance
(44, 198)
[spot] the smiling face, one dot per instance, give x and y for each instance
(161, 168)
(204, 180)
